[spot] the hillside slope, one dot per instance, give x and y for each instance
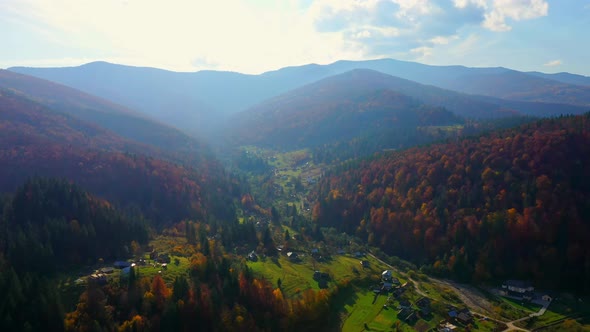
(512, 204)
(35, 141)
(349, 105)
(170, 142)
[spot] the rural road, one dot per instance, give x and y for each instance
(471, 300)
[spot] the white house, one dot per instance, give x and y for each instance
(518, 286)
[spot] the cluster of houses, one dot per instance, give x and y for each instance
(460, 316)
(409, 314)
(406, 313)
(523, 291)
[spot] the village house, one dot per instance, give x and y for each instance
(365, 263)
(387, 286)
(446, 327)
(252, 256)
(317, 275)
(462, 316)
(107, 270)
(407, 314)
(424, 305)
(292, 256)
(518, 286)
(98, 278)
(518, 289)
(404, 303)
(386, 275)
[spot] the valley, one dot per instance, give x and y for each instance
(356, 196)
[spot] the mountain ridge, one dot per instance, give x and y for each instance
(199, 102)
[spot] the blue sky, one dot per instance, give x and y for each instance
(254, 36)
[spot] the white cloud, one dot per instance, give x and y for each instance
(465, 3)
(553, 63)
(252, 35)
(516, 10)
(422, 52)
(178, 35)
(443, 40)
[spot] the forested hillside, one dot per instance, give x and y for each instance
(514, 203)
(48, 226)
(37, 141)
(164, 141)
(339, 109)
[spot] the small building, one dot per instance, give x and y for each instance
(423, 302)
(364, 263)
(395, 281)
(407, 315)
(387, 286)
(453, 314)
(446, 327)
(98, 278)
(165, 266)
(386, 275)
(107, 270)
(252, 256)
(464, 318)
(317, 275)
(404, 303)
(518, 286)
(315, 251)
(292, 255)
(340, 252)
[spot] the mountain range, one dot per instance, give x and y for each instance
(200, 102)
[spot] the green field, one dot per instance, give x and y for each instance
(363, 312)
(298, 276)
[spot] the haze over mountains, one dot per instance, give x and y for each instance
(166, 184)
(119, 120)
(217, 176)
(200, 102)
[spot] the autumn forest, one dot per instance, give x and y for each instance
(289, 201)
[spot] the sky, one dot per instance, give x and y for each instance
(254, 36)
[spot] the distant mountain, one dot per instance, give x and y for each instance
(349, 105)
(564, 78)
(171, 97)
(198, 102)
(170, 142)
(509, 204)
(519, 86)
(37, 141)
